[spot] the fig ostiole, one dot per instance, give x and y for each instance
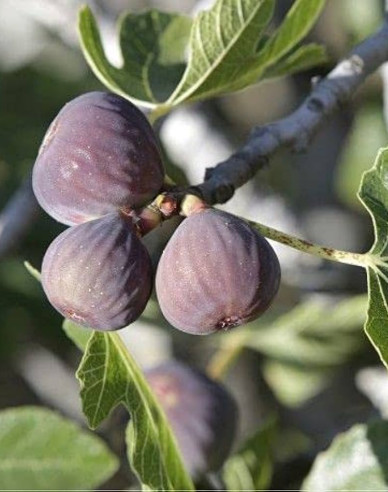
(215, 273)
(98, 273)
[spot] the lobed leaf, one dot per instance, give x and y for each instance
(223, 41)
(356, 460)
(40, 450)
(373, 194)
(303, 58)
(297, 23)
(109, 376)
(228, 49)
(295, 26)
(153, 49)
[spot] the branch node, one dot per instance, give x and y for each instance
(315, 104)
(208, 173)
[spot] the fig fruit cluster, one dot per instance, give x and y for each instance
(99, 162)
(201, 413)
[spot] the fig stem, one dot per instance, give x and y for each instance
(357, 259)
(191, 204)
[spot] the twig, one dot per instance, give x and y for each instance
(296, 130)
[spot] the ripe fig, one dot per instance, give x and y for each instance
(99, 154)
(201, 413)
(215, 273)
(98, 274)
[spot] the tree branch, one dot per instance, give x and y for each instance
(296, 130)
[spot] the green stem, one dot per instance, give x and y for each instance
(358, 259)
(158, 112)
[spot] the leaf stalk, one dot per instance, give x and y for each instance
(357, 259)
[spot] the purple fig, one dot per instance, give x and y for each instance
(215, 273)
(201, 413)
(99, 155)
(98, 274)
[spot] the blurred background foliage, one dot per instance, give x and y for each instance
(321, 378)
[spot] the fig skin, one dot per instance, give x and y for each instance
(98, 274)
(202, 414)
(215, 273)
(99, 155)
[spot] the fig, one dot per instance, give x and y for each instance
(201, 414)
(99, 155)
(98, 273)
(215, 273)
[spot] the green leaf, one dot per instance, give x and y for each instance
(32, 270)
(298, 22)
(356, 460)
(39, 450)
(368, 133)
(109, 376)
(303, 58)
(229, 50)
(153, 46)
(294, 385)
(223, 42)
(227, 45)
(252, 466)
(373, 194)
(311, 334)
(77, 334)
(303, 347)
(295, 26)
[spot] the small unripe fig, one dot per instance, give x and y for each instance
(201, 413)
(215, 273)
(99, 154)
(98, 274)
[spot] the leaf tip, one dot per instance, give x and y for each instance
(85, 18)
(85, 11)
(32, 270)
